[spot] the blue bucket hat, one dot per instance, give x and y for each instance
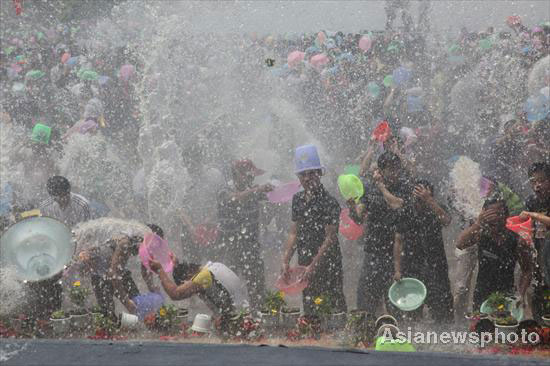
(307, 158)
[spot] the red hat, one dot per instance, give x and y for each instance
(247, 166)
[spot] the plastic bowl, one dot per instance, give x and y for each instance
(408, 294)
(156, 247)
(202, 323)
(294, 285)
(510, 306)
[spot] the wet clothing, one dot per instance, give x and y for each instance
(542, 242)
(239, 241)
(76, 212)
(311, 218)
(377, 270)
(223, 292)
(496, 266)
(105, 291)
(424, 258)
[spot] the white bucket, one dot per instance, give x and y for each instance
(128, 321)
(202, 323)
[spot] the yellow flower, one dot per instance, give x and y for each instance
(318, 301)
(500, 307)
(76, 284)
(162, 312)
(273, 311)
(281, 294)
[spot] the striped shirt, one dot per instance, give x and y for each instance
(77, 211)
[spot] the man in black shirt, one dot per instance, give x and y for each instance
(538, 209)
(239, 217)
(314, 236)
(419, 251)
(390, 190)
(499, 250)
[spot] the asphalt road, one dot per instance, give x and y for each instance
(60, 352)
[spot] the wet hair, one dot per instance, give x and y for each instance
(183, 272)
(388, 160)
(539, 167)
(58, 186)
(156, 230)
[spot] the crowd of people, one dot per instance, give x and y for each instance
(347, 86)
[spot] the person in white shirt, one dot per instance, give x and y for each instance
(214, 283)
(63, 205)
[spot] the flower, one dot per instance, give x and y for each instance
(273, 311)
(162, 312)
(318, 301)
(501, 307)
(281, 294)
(76, 283)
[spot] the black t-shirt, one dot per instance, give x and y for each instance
(535, 204)
(240, 217)
(311, 218)
(496, 264)
(381, 219)
(422, 234)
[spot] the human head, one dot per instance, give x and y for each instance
(310, 179)
(157, 230)
(389, 166)
(539, 178)
(497, 203)
(244, 172)
(184, 272)
(59, 189)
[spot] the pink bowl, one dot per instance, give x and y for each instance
(294, 285)
(284, 192)
(156, 247)
(348, 227)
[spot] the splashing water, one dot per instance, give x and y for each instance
(465, 176)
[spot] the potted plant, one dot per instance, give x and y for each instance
(60, 323)
(308, 326)
(271, 312)
(94, 310)
(22, 324)
(80, 317)
(506, 325)
(104, 326)
(359, 328)
(323, 309)
(498, 303)
(546, 308)
(244, 327)
(289, 316)
(165, 318)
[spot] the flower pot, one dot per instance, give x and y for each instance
(289, 317)
(270, 320)
(546, 320)
(385, 319)
(335, 321)
(181, 318)
(128, 321)
(60, 327)
(505, 329)
(81, 322)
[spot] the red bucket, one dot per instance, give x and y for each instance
(295, 284)
(348, 228)
(382, 132)
(523, 228)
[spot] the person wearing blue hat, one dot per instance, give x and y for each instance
(314, 234)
